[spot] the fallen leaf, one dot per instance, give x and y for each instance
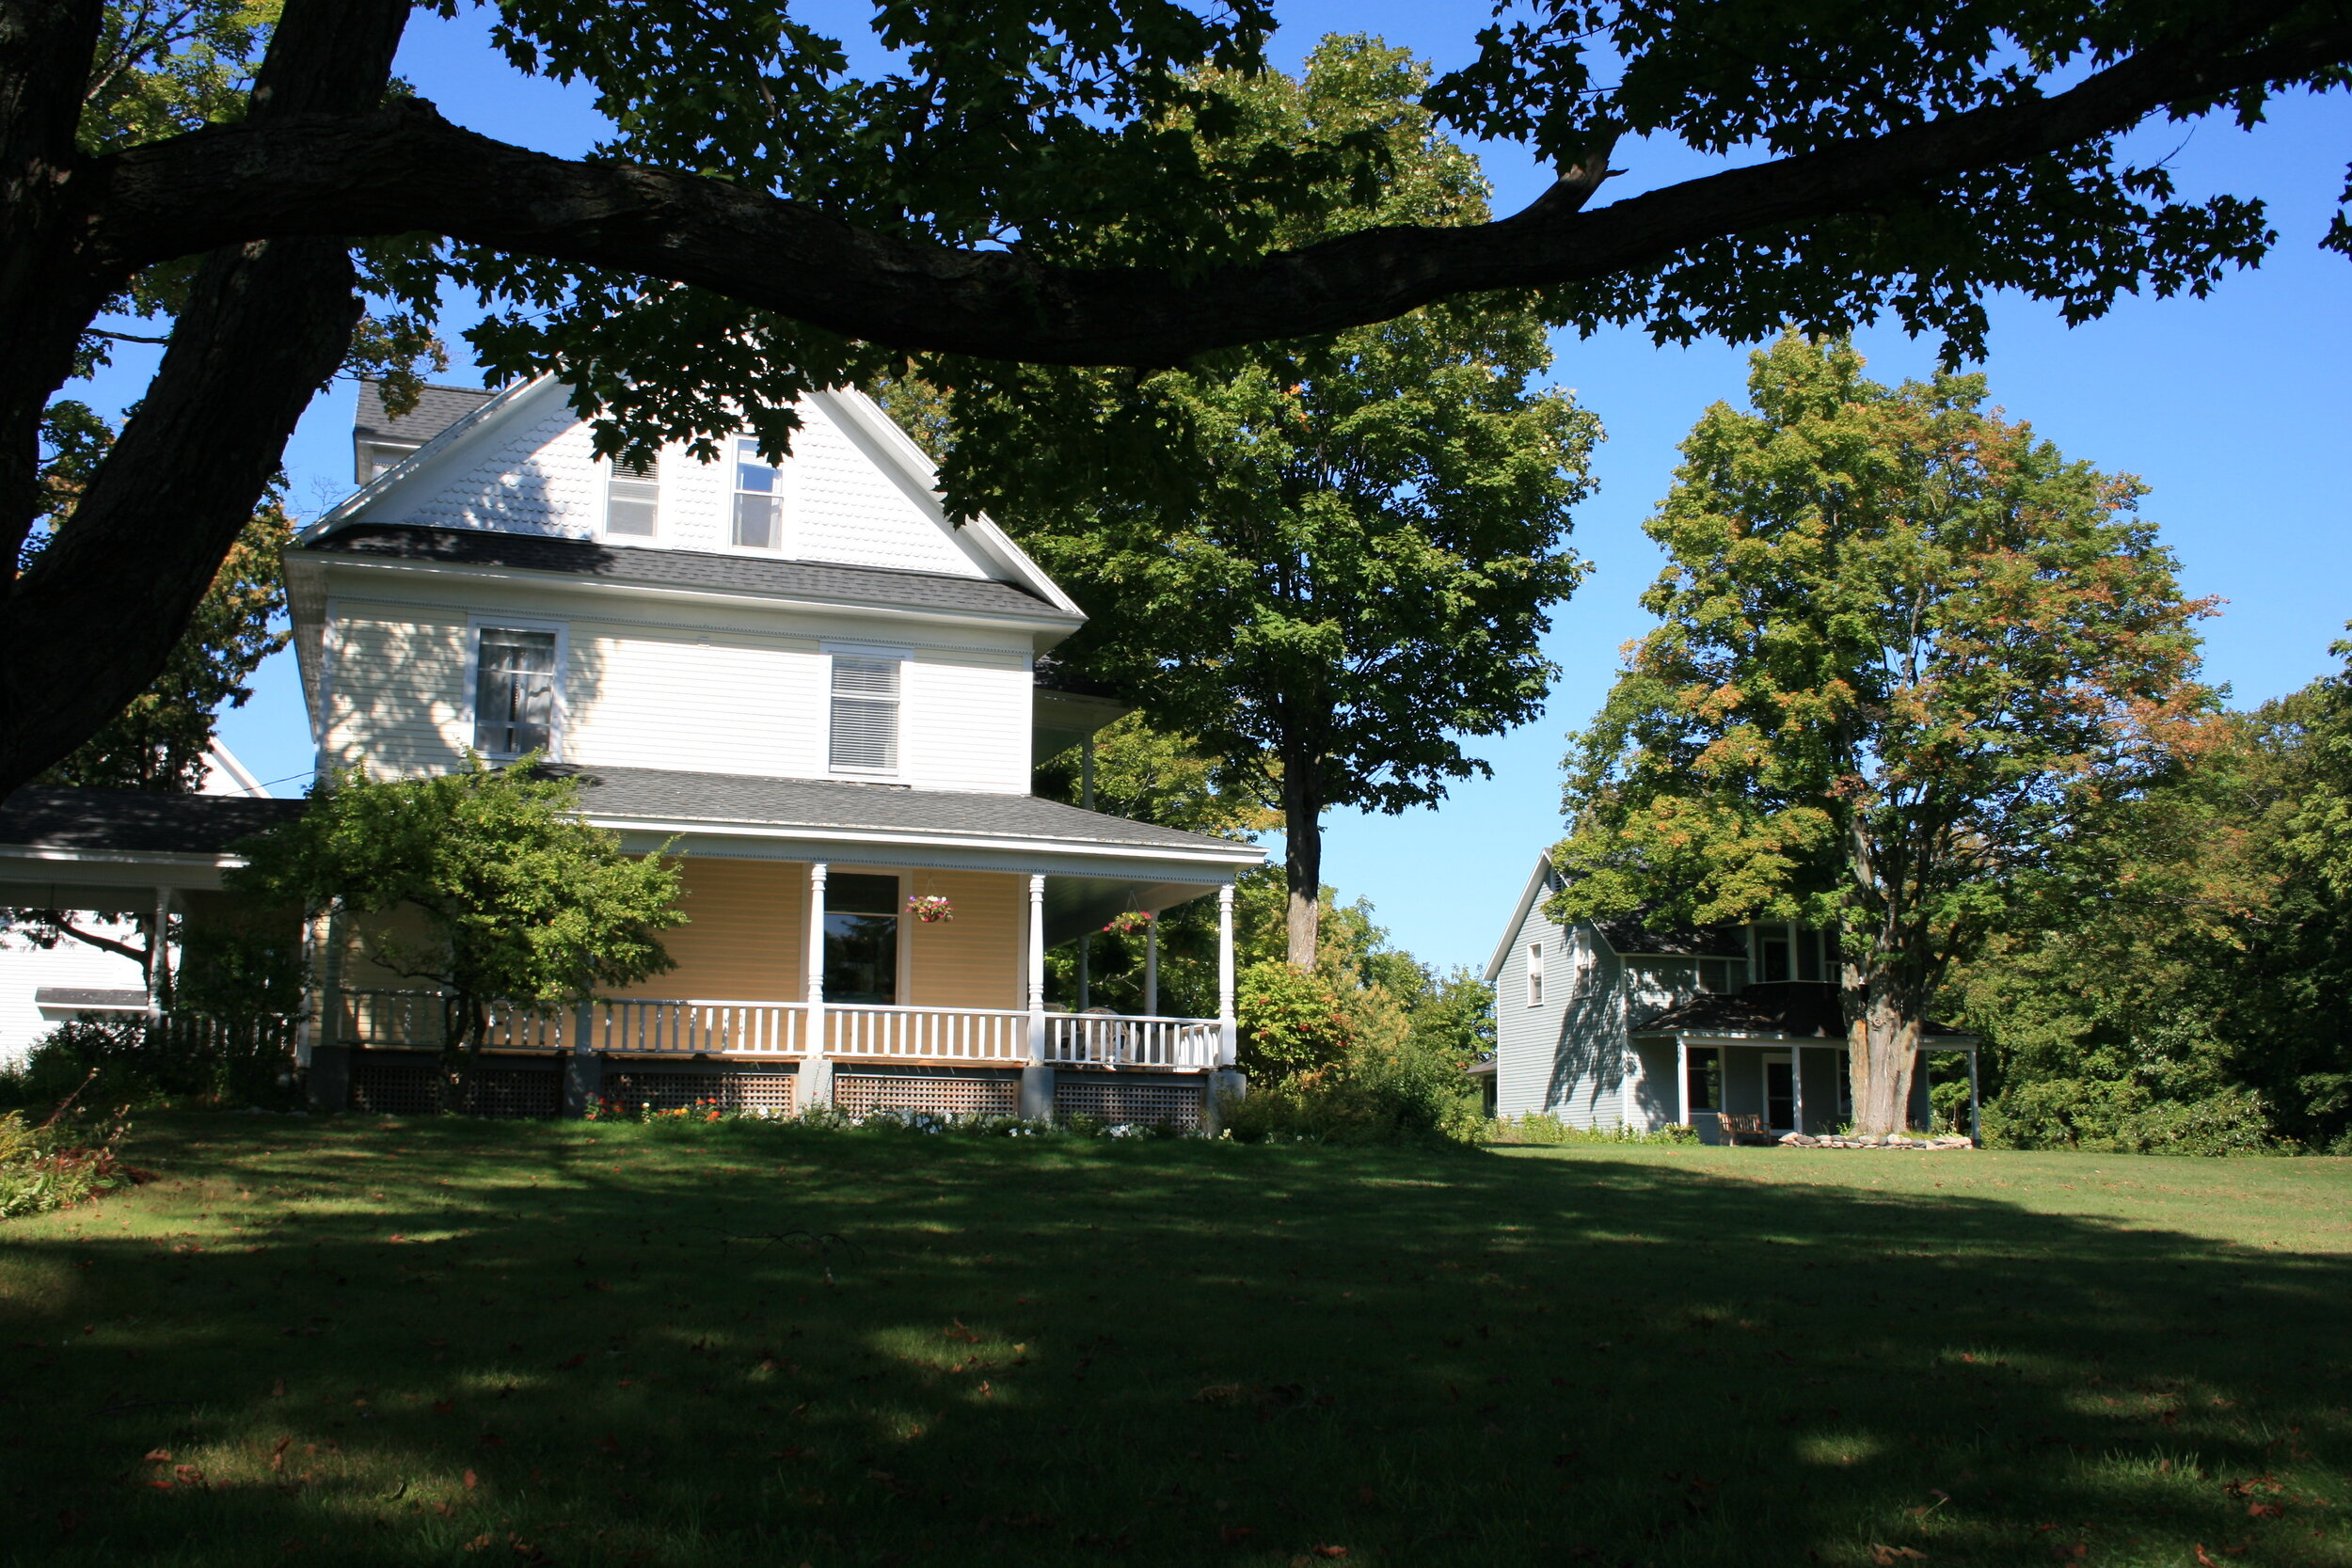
(1887, 1556)
(472, 1480)
(158, 1456)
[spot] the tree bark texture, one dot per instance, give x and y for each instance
(1302, 863)
(1883, 1050)
(92, 620)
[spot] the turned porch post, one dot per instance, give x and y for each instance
(1229, 1046)
(816, 1065)
(1682, 1081)
(1976, 1132)
(1796, 1087)
(1151, 967)
(1037, 1078)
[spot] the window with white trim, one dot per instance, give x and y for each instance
(758, 499)
(514, 705)
(865, 714)
(632, 498)
(1534, 974)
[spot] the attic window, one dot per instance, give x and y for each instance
(1534, 974)
(865, 714)
(515, 692)
(758, 503)
(377, 458)
(632, 498)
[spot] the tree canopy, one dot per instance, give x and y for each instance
(523, 904)
(1909, 658)
(1348, 568)
(1023, 181)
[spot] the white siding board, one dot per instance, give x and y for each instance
(964, 724)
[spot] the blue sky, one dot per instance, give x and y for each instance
(2232, 409)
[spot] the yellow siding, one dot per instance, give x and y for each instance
(368, 932)
(741, 942)
(973, 960)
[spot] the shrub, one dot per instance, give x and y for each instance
(2118, 1116)
(1402, 1095)
(1546, 1131)
(1292, 1022)
(139, 1061)
(57, 1163)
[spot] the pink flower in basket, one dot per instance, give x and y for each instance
(931, 908)
(1129, 922)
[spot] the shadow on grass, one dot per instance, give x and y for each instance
(425, 1342)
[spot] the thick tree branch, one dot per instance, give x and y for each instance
(405, 169)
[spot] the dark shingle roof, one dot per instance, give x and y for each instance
(436, 409)
(1800, 1010)
(139, 821)
(803, 579)
(89, 996)
(658, 795)
(1628, 935)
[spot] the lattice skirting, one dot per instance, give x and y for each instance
(858, 1093)
(412, 1088)
(759, 1092)
(1111, 1099)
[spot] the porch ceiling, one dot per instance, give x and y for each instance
(1076, 905)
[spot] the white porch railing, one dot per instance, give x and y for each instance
(980, 1034)
(633, 1026)
(1102, 1039)
(700, 1028)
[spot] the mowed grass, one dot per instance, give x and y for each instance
(441, 1342)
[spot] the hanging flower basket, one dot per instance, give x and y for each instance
(1130, 922)
(931, 908)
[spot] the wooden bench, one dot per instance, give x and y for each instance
(1734, 1129)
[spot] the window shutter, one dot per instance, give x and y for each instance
(865, 714)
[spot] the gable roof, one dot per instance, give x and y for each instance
(1539, 881)
(523, 406)
(765, 575)
(438, 408)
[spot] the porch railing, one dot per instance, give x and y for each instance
(1102, 1039)
(633, 1026)
(980, 1034)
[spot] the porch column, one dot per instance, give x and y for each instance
(1036, 1077)
(1975, 1131)
(1683, 1081)
(159, 954)
(816, 1086)
(1229, 1046)
(1796, 1087)
(1151, 967)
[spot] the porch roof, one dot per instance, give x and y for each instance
(1770, 1010)
(632, 797)
(111, 850)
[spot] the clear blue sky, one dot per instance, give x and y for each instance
(2233, 409)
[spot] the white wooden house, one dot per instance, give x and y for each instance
(1607, 1024)
(816, 686)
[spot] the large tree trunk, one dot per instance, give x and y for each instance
(1883, 1045)
(96, 616)
(1302, 859)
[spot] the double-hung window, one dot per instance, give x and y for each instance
(865, 714)
(758, 500)
(1534, 974)
(632, 498)
(513, 706)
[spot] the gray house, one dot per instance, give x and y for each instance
(1608, 1023)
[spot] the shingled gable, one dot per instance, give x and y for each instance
(520, 463)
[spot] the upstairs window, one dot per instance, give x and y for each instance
(758, 500)
(865, 714)
(632, 498)
(1534, 974)
(514, 707)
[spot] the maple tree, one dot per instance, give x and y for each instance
(1908, 657)
(1020, 183)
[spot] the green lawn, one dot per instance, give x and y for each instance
(353, 1341)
